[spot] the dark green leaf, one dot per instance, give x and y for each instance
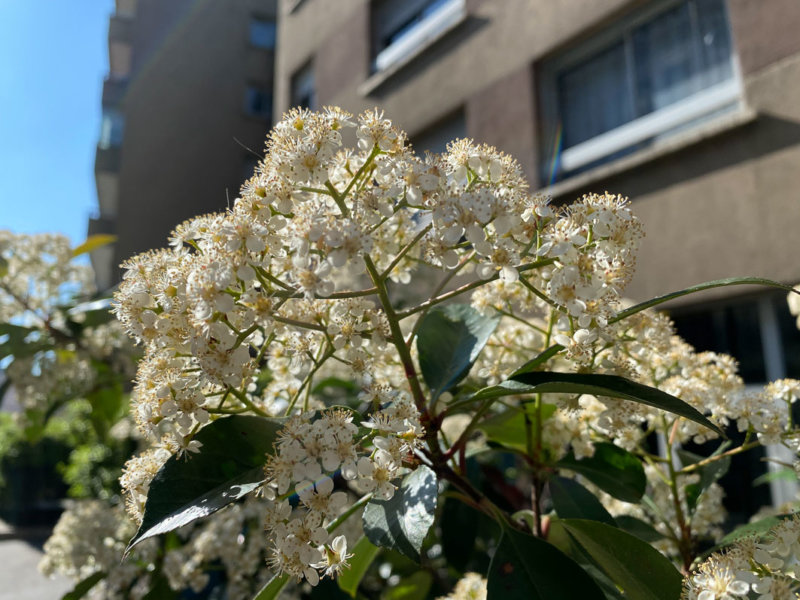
(506, 388)
(641, 529)
(613, 386)
(538, 360)
(273, 588)
(509, 429)
(83, 586)
(229, 465)
(613, 469)
(414, 587)
(449, 340)
(459, 523)
(402, 522)
(573, 501)
(709, 474)
(698, 288)
(527, 568)
(640, 570)
(364, 552)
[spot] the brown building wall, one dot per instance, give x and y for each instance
(720, 205)
(185, 121)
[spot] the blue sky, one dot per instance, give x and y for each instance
(53, 57)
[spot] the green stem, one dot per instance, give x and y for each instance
(247, 402)
(348, 513)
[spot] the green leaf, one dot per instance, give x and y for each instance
(413, 587)
(83, 586)
(780, 475)
(540, 359)
(709, 474)
(273, 588)
(459, 523)
(758, 529)
(229, 465)
(448, 342)
(698, 288)
(526, 568)
(364, 552)
(505, 388)
(21, 341)
(93, 242)
(613, 386)
(402, 522)
(508, 428)
(640, 570)
(613, 469)
(641, 529)
(573, 501)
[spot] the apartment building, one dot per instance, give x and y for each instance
(186, 106)
(689, 107)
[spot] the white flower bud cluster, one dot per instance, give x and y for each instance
(765, 569)
(309, 453)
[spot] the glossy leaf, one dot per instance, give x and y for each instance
(273, 587)
(613, 469)
(527, 568)
(641, 529)
(573, 501)
(93, 242)
(613, 386)
(448, 342)
(698, 288)
(509, 429)
(402, 522)
(229, 465)
(779, 475)
(364, 552)
(640, 570)
(536, 361)
(83, 586)
(19, 341)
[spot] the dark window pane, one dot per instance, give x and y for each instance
(258, 102)
(790, 337)
(595, 96)
(303, 91)
(262, 33)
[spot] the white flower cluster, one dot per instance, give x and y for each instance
(39, 279)
(752, 569)
(471, 586)
(309, 453)
(91, 537)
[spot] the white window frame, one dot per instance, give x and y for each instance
(724, 95)
(421, 35)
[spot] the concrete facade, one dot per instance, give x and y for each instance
(179, 76)
(716, 202)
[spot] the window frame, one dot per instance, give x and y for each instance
(648, 129)
(267, 94)
(420, 36)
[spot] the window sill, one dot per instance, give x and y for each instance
(723, 124)
(379, 78)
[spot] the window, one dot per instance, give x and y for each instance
(762, 336)
(262, 34)
(258, 102)
(402, 27)
(303, 93)
(655, 74)
(436, 137)
(111, 129)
